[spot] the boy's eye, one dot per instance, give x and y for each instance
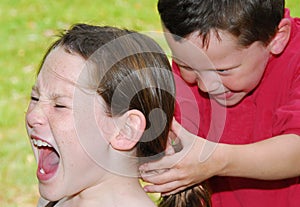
(222, 71)
(187, 68)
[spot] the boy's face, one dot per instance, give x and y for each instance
(64, 167)
(224, 70)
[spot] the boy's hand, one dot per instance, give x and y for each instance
(189, 166)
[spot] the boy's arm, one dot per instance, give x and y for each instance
(271, 159)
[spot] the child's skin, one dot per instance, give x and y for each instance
(50, 119)
(89, 117)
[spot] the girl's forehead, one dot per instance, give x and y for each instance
(62, 63)
(60, 72)
(66, 74)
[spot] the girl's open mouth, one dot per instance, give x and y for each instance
(48, 159)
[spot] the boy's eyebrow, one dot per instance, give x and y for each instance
(182, 65)
(228, 67)
(177, 61)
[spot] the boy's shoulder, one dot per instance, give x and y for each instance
(291, 52)
(294, 41)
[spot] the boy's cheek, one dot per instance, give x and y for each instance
(188, 76)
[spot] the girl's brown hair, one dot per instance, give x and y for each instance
(195, 196)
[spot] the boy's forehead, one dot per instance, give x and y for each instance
(186, 51)
(222, 50)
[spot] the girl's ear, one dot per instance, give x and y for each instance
(132, 127)
(282, 37)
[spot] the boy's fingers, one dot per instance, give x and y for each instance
(165, 189)
(174, 191)
(151, 168)
(166, 162)
(180, 133)
(157, 177)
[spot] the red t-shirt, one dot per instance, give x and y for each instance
(273, 108)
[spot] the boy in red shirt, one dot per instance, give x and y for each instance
(240, 61)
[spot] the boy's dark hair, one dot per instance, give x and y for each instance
(249, 21)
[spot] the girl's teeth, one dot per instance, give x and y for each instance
(40, 143)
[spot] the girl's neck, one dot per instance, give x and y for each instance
(117, 191)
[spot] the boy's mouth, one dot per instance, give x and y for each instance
(48, 159)
(224, 96)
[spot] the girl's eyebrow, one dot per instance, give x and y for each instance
(53, 95)
(60, 95)
(34, 88)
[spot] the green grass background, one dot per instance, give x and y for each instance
(26, 30)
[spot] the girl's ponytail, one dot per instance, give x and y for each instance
(195, 196)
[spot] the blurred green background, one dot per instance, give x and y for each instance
(27, 28)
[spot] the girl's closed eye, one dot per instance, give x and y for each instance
(33, 98)
(60, 106)
(62, 103)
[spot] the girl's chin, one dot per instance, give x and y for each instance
(50, 192)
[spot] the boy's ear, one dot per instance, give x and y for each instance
(132, 127)
(282, 37)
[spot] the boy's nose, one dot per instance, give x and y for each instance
(210, 84)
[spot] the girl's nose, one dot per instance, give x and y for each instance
(36, 115)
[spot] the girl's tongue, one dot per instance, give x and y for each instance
(48, 163)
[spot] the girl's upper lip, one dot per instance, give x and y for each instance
(38, 138)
